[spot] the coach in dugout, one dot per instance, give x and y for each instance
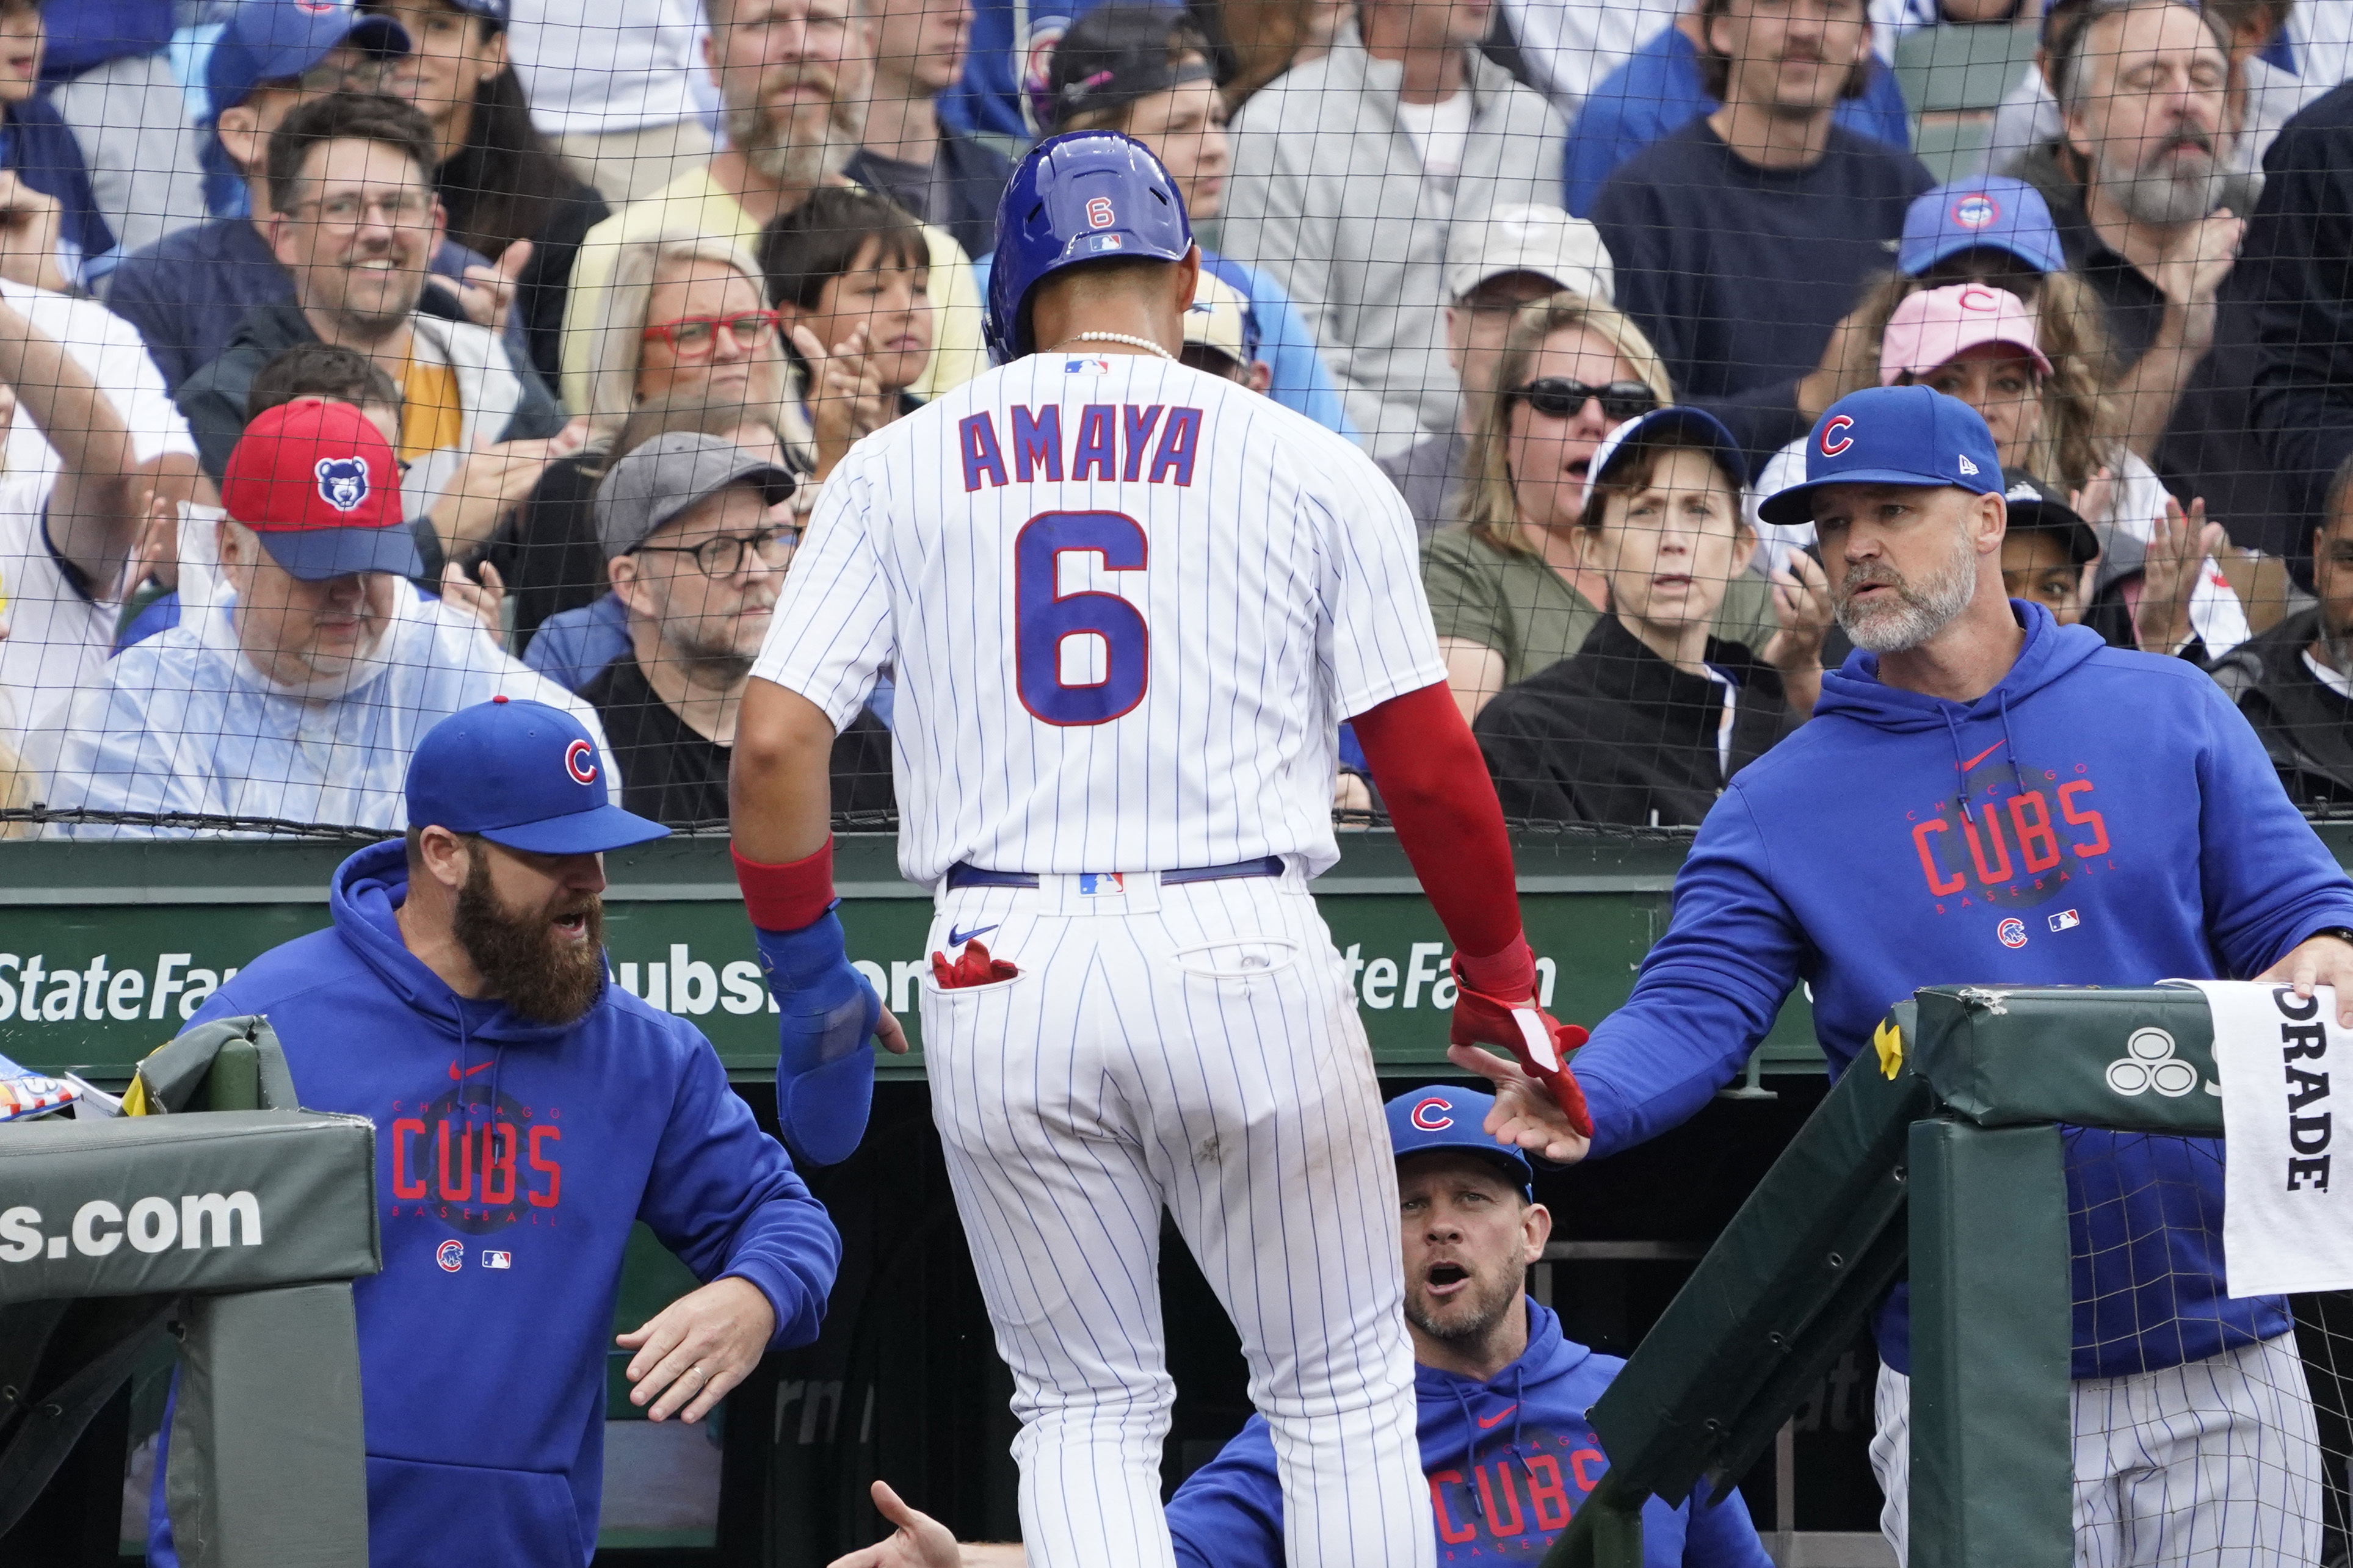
(527, 1110)
(1501, 1392)
(1985, 796)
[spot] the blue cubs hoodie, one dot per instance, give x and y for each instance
(1509, 1460)
(2100, 817)
(511, 1156)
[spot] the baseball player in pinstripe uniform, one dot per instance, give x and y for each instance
(1127, 605)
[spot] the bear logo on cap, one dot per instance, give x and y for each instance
(342, 482)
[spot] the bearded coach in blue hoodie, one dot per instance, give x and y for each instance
(527, 1110)
(1985, 796)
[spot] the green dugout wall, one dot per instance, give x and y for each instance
(109, 942)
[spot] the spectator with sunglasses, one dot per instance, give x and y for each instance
(697, 533)
(1650, 719)
(1510, 590)
(354, 219)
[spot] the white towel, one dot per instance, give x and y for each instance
(2288, 1205)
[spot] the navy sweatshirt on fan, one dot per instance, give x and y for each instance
(511, 1157)
(1509, 1461)
(2100, 817)
(1737, 274)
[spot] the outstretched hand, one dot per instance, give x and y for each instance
(1526, 1115)
(918, 1542)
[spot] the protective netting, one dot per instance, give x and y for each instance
(1475, 239)
(2201, 1422)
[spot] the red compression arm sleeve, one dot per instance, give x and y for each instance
(1435, 785)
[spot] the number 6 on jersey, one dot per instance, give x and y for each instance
(1044, 619)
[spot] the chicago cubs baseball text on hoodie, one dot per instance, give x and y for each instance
(1509, 1461)
(511, 1157)
(2100, 817)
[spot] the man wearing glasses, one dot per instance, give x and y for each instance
(353, 220)
(187, 291)
(697, 533)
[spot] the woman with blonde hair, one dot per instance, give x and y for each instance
(1510, 590)
(686, 323)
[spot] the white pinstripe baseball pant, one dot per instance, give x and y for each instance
(2215, 1464)
(1197, 1047)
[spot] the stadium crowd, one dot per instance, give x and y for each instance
(564, 267)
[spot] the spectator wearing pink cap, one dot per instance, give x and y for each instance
(1983, 345)
(301, 697)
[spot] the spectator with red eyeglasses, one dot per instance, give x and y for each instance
(685, 326)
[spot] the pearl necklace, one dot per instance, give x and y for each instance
(1133, 343)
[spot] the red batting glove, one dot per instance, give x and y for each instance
(1537, 1040)
(973, 967)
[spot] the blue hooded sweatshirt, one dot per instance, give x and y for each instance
(511, 1156)
(2100, 817)
(1509, 1460)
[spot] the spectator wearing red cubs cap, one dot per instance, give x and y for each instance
(301, 697)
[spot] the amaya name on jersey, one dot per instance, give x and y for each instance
(1107, 441)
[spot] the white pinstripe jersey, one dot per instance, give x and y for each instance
(1127, 605)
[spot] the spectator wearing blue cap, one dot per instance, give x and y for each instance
(1984, 791)
(1501, 1391)
(302, 698)
(528, 1113)
(38, 148)
(188, 292)
(1649, 721)
(1741, 239)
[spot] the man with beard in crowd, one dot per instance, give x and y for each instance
(1985, 794)
(2138, 185)
(697, 532)
(527, 1112)
(794, 75)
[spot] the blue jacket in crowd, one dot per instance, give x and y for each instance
(1658, 91)
(1509, 1460)
(2101, 817)
(40, 146)
(511, 1158)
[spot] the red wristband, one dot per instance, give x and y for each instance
(1510, 974)
(786, 898)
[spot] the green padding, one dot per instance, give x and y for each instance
(265, 1470)
(1991, 1456)
(2011, 1058)
(160, 1204)
(1779, 1296)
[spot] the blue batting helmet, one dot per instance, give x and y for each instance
(1091, 195)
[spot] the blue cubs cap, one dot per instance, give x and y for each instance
(270, 40)
(1449, 1116)
(1695, 425)
(523, 775)
(1891, 436)
(1994, 213)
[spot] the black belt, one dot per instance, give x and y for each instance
(966, 875)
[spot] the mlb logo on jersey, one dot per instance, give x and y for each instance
(2066, 920)
(1101, 884)
(1086, 367)
(497, 1260)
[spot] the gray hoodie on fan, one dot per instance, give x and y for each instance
(1330, 196)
